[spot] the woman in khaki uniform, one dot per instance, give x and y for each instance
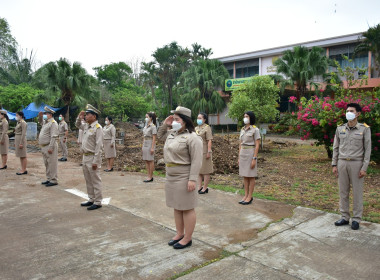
(109, 132)
(149, 144)
(204, 131)
(4, 139)
(183, 158)
(20, 141)
(248, 150)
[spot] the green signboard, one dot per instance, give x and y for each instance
(232, 84)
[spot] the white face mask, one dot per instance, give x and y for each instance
(350, 116)
(45, 117)
(17, 118)
(107, 122)
(199, 122)
(176, 126)
(246, 120)
(146, 120)
(60, 118)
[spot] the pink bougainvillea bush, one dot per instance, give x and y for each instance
(319, 117)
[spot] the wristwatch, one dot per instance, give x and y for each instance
(254, 157)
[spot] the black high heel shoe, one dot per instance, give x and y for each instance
(5, 167)
(22, 173)
(246, 203)
(206, 191)
(199, 191)
(147, 181)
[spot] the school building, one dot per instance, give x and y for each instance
(245, 65)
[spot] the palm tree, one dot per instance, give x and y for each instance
(200, 84)
(66, 84)
(371, 43)
(300, 65)
(149, 78)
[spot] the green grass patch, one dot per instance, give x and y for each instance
(372, 170)
(224, 188)
(159, 173)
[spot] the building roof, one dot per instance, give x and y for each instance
(328, 42)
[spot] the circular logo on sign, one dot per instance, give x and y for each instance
(229, 83)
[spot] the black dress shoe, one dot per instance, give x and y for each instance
(206, 191)
(199, 191)
(94, 207)
(108, 170)
(4, 167)
(87, 203)
(341, 222)
(174, 241)
(45, 183)
(50, 184)
(180, 246)
(22, 173)
(147, 181)
(60, 159)
(241, 201)
(63, 159)
(355, 225)
(246, 203)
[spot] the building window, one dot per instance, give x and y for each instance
(247, 68)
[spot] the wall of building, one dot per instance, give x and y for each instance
(222, 118)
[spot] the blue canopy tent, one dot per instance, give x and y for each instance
(11, 116)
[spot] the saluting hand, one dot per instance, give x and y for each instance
(362, 173)
(169, 120)
(335, 171)
(81, 115)
(40, 114)
(190, 186)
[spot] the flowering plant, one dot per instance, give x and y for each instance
(318, 117)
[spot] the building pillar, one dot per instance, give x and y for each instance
(234, 70)
(369, 64)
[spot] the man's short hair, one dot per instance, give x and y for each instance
(357, 107)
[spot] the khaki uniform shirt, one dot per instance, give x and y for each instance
(48, 133)
(182, 148)
(205, 132)
(92, 141)
(109, 132)
(149, 131)
(20, 129)
(249, 136)
(63, 127)
(352, 144)
(3, 129)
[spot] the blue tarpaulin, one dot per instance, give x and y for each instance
(32, 110)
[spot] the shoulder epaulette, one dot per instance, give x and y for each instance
(254, 126)
(366, 125)
(98, 125)
(53, 121)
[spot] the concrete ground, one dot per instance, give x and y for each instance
(45, 234)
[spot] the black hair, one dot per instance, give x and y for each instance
(6, 116)
(21, 114)
(188, 122)
(357, 107)
(204, 115)
(109, 118)
(153, 116)
(252, 117)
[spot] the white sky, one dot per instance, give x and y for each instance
(97, 32)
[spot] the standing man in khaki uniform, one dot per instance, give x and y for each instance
(92, 144)
(49, 148)
(63, 133)
(351, 155)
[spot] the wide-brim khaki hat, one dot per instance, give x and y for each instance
(48, 110)
(92, 109)
(2, 111)
(182, 110)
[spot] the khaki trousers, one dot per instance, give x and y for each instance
(348, 175)
(51, 163)
(63, 146)
(93, 180)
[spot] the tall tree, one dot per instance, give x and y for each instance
(171, 61)
(201, 83)
(371, 43)
(67, 83)
(149, 78)
(301, 65)
(8, 44)
(114, 75)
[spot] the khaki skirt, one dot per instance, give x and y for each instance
(108, 151)
(18, 140)
(147, 145)
(207, 165)
(176, 193)
(5, 147)
(246, 156)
